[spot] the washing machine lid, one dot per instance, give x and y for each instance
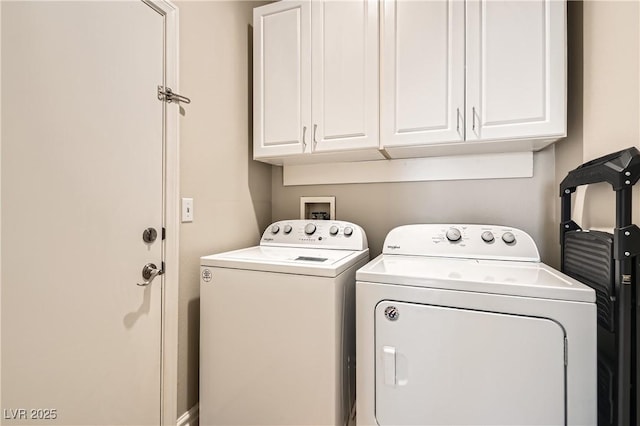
(288, 260)
(527, 279)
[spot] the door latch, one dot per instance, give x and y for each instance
(149, 272)
(167, 95)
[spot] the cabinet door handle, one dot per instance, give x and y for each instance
(458, 122)
(304, 138)
(474, 114)
(315, 142)
(473, 117)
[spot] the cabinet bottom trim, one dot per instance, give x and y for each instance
(459, 167)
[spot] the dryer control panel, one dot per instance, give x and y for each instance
(328, 234)
(462, 240)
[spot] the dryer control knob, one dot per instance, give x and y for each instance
(309, 229)
(275, 229)
(333, 230)
(287, 229)
(453, 234)
(508, 238)
(348, 231)
(487, 236)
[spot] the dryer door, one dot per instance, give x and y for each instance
(448, 366)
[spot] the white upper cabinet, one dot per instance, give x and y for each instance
(490, 80)
(345, 74)
(281, 78)
(516, 69)
(353, 80)
(422, 96)
(316, 80)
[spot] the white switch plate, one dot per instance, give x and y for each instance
(187, 210)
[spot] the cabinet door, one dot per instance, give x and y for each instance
(281, 76)
(345, 74)
(516, 69)
(422, 95)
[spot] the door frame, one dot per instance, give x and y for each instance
(171, 185)
(0, 198)
(171, 193)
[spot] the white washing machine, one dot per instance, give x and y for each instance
(277, 327)
(463, 325)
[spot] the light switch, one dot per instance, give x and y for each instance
(187, 210)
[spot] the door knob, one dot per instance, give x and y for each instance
(149, 272)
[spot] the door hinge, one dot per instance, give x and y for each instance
(164, 232)
(167, 95)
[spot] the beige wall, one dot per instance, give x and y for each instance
(611, 87)
(528, 203)
(523, 203)
(232, 193)
(611, 76)
(233, 200)
(604, 95)
(569, 151)
(603, 116)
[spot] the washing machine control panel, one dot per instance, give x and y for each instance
(465, 241)
(331, 234)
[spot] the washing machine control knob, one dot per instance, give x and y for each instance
(275, 229)
(453, 234)
(348, 231)
(287, 229)
(309, 229)
(487, 236)
(508, 238)
(333, 230)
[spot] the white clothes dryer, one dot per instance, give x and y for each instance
(277, 327)
(463, 325)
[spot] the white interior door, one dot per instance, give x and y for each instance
(82, 177)
(445, 366)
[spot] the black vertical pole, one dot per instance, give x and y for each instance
(624, 273)
(565, 218)
(635, 349)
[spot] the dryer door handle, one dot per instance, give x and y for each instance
(389, 365)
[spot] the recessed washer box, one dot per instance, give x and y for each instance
(318, 208)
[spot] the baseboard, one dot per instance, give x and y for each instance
(190, 418)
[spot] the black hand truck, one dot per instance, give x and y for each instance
(608, 263)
